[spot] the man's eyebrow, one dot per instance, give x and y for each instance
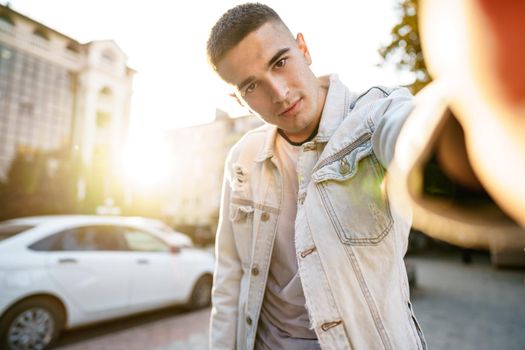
(277, 55)
(245, 82)
(270, 63)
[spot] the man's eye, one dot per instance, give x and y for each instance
(250, 88)
(281, 63)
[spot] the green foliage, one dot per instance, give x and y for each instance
(39, 183)
(405, 48)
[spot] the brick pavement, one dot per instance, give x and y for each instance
(469, 306)
(187, 331)
(459, 307)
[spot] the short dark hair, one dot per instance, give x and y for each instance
(234, 25)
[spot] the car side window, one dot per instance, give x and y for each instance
(142, 241)
(49, 243)
(87, 238)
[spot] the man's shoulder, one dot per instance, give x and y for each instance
(256, 133)
(251, 141)
(379, 92)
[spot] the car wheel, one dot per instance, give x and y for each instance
(201, 295)
(32, 324)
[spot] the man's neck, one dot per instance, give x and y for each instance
(322, 88)
(295, 143)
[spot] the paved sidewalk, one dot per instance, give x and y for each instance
(188, 331)
(459, 307)
(469, 306)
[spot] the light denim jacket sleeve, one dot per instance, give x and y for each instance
(397, 107)
(227, 276)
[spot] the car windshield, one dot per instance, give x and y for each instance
(10, 230)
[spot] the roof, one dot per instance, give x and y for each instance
(9, 10)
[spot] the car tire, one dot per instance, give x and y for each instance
(201, 294)
(31, 324)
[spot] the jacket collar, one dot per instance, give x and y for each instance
(267, 150)
(336, 107)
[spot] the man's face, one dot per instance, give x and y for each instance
(270, 72)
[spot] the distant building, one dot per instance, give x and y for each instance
(197, 159)
(56, 92)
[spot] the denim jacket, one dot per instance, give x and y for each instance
(349, 239)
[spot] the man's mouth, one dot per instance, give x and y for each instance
(294, 108)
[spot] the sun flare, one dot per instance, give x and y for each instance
(146, 160)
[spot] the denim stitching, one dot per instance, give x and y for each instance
(322, 272)
(368, 297)
(268, 245)
(342, 152)
(366, 93)
(364, 153)
(242, 201)
(338, 226)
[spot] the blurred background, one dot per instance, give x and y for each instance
(109, 107)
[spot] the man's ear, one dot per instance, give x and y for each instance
(304, 49)
(234, 95)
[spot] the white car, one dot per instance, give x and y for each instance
(60, 272)
(160, 228)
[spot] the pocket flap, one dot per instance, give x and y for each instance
(344, 164)
(239, 213)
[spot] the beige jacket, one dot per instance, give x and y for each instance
(350, 241)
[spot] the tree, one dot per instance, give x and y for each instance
(405, 48)
(39, 183)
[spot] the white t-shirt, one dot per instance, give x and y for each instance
(284, 321)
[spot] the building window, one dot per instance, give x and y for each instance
(40, 38)
(72, 51)
(25, 109)
(41, 34)
(5, 54)
(103, 119)
(105, 98)
(105, 91)
(73, 47)
(6, 23)
(107, 58)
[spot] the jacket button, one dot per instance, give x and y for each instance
(249, 320)
(255, 271)
(326, 326)
(344, 167)
(265, 216)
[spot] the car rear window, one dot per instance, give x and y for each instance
(10, 230)
(84, 238)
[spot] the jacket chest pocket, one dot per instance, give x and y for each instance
(352, 191)
(241, 217)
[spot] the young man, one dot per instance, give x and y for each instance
(309, 249)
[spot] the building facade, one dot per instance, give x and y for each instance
(197, 156)
(58, 93)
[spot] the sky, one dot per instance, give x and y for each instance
(165, 43)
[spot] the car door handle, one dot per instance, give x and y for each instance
(67, 261)
(143, 261)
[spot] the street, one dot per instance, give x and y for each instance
(459, 307)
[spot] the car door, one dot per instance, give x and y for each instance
(92, 267)
(158, 276)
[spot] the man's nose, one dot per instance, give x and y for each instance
(279, 90)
